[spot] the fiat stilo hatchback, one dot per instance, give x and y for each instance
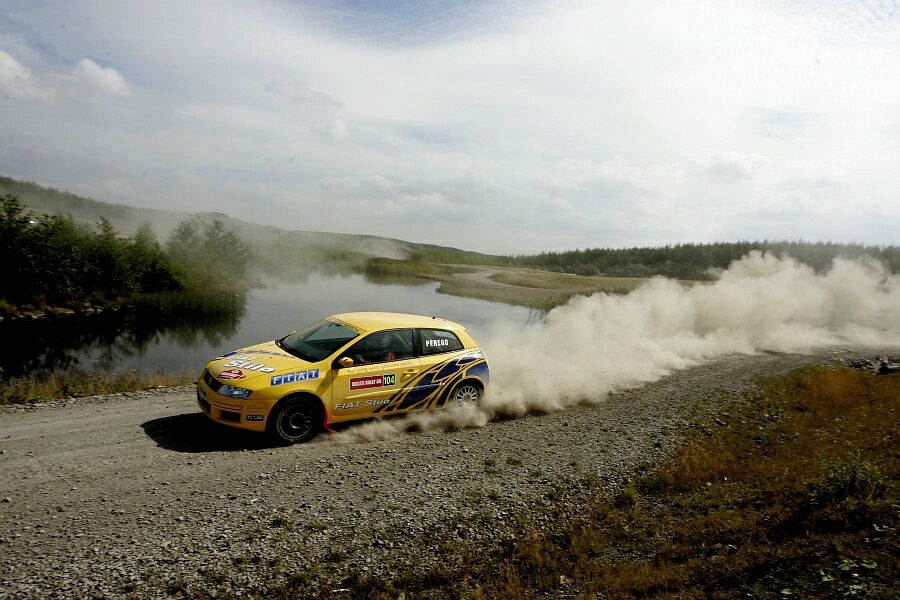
(346, 367)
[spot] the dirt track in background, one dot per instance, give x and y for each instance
(535, 288)
(139, 495)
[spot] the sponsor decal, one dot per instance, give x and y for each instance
(247, 361)
(297, 377)
(372, 381)
(229, 374)
(436, 343)
(399, 364)
(370, 402)
(432, 388)
(254, 417)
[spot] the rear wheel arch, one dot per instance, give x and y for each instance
(476, 382)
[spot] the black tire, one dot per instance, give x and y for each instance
(465, 393)
(295, 420)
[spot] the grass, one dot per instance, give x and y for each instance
(451, 256)
(185, 302)
(533, 288)
(405, 268)
(54, 386)
(541, 300)
(192, 302)
(573, 284)
(317, 526)
(281, 522)
(6, 309)
(792, 495)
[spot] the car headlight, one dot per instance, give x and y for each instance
(231, 391)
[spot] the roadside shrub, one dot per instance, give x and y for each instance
(6, 309)
(757, 505)
(52, 386)
(848, 476)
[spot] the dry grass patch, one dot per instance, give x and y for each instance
(541, 300)
(794, 495)
(54, 386)
(565, 282)
(406, 268)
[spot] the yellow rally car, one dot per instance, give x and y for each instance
(343, 368)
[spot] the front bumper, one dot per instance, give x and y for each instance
(243, 414)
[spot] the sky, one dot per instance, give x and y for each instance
(500, 126)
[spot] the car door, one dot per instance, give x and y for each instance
(438, 350)
(384, 362)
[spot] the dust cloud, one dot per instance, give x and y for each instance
(456, 417)
(598, 344)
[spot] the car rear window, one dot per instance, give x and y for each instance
(435, 341)
(317, 341)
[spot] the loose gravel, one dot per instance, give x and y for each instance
(138, 495)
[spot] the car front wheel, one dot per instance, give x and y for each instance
(295, 420)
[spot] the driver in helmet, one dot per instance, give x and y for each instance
(380, 351)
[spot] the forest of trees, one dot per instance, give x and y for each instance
(696, 261)
(51, 259)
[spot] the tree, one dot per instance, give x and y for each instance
(108, 269)
(211, 256)
(63, 251)
(15, 247)
(151, 266)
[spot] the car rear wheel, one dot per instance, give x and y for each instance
(295, 420)
(466, 393)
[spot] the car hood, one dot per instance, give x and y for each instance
(254, 361)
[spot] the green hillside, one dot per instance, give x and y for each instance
(288, 253)
(275, 250)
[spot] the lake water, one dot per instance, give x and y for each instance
(138, 340)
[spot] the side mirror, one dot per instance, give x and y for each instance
(345, 361)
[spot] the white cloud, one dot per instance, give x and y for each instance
(106, 79)
(12, 71)
(732, 167)
(300, 93)
(339, 129)
(15, 78)
(574, 124)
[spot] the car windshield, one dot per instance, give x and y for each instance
(317, 341)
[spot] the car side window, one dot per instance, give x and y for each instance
(436, 341)
(384, 346)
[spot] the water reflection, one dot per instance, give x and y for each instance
(109, 340)
(173, 334)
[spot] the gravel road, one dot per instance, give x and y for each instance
(138, 495)
(481, 277)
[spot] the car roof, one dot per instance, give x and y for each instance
(375, 321)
